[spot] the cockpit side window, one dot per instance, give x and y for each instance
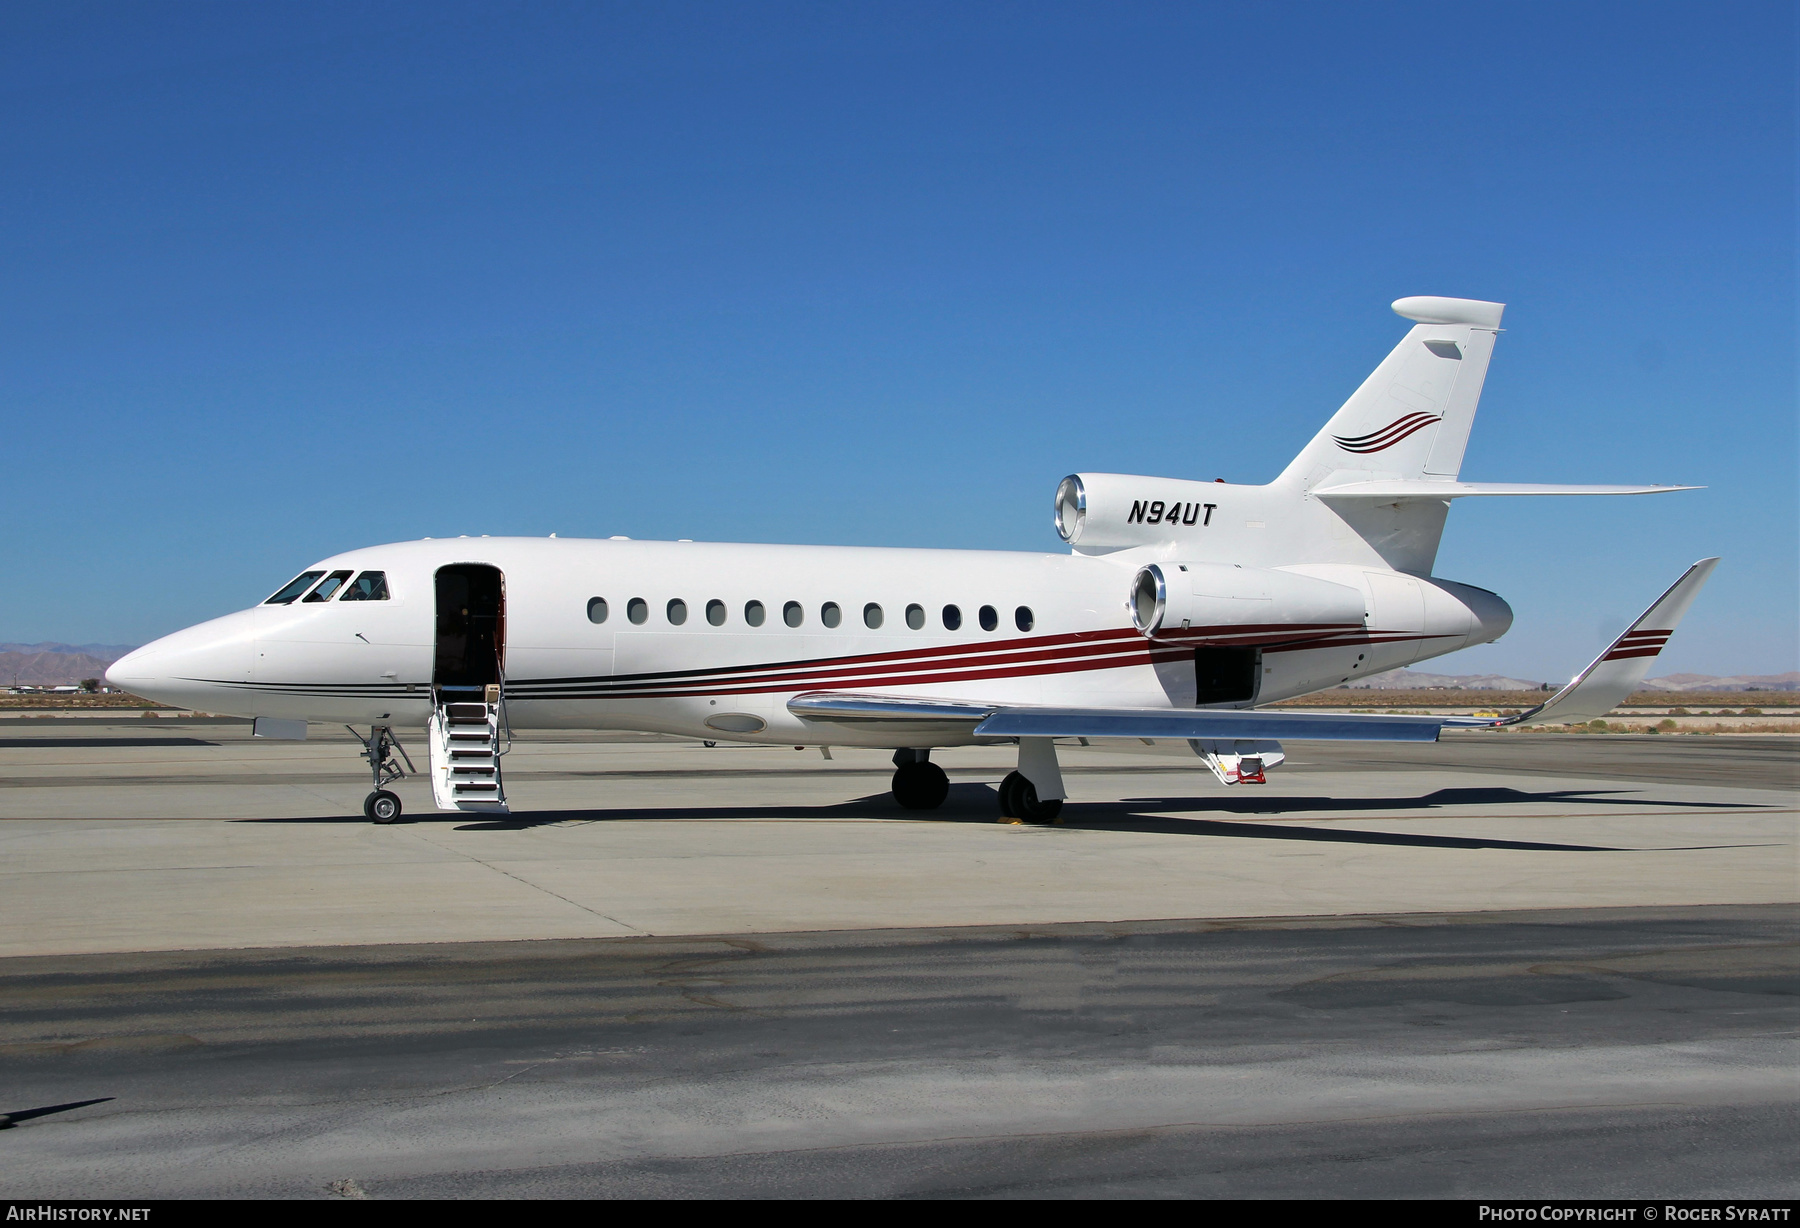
(370, 586)
(330, 586)
(299, 584)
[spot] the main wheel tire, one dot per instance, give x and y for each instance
(1008, 787)
(1019, 800)
(920, 786)
(381, 806)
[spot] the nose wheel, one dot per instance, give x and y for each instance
(382, 806)
(379, 748)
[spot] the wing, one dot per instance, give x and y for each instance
(1595, 691)
(916, 715)
(1618, 671)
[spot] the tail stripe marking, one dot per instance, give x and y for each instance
(1387, 436)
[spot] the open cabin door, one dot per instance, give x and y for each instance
(468, 680)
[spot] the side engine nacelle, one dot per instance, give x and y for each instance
(1169, 598)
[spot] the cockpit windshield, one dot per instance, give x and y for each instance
(324, 591)
(299, 584)
(370, 586)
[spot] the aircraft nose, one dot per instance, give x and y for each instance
(130, 670)
(195, 668)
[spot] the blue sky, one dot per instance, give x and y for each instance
(280, 280)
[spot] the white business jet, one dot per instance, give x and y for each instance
(1180, 608)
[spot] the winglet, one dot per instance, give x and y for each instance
(1617, 672)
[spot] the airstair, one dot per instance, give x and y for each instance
(466, 729)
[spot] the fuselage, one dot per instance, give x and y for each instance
(710, 640)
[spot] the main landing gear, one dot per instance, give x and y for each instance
(383, 805)
(1019, 800)
(919, 784)
(1034, 793)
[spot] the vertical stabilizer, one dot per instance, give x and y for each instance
(1411, 418)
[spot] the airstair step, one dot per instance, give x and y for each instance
(465, 752)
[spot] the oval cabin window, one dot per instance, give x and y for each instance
(792, 614)
(753, 613)
(952, 618)
(677, 611)
(637, 610)
(989, 618)
(1022, 618)
(596, 609)
(830, 615)
(915, 617)
(871, 616)
(715, 612)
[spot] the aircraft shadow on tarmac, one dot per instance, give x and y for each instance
(96, 743)
(975, 803)
(9, 1120)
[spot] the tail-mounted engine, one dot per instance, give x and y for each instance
(1187, 600)
(1108, 511)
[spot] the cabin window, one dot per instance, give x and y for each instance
(989, 618)
(715, 612)
(830, 615)
(871, 616)
(637, 610)
(370, 586)
(299, 584)
(792, 614)
(952, 618)
(676, 610)
(754, 613)
(915, 617)
(331, 584)
(1022, 618)
(596, 609)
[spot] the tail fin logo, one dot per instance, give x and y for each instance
(1387, 436)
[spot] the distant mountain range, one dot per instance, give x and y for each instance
(1738, 682)
(52, 664)
(106, 652)
(1412, 680)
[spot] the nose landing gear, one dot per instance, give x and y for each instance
(383, 806)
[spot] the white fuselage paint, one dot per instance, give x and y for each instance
(370, 662)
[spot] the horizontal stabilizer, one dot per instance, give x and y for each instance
(1399, 489)
(1618, 671)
